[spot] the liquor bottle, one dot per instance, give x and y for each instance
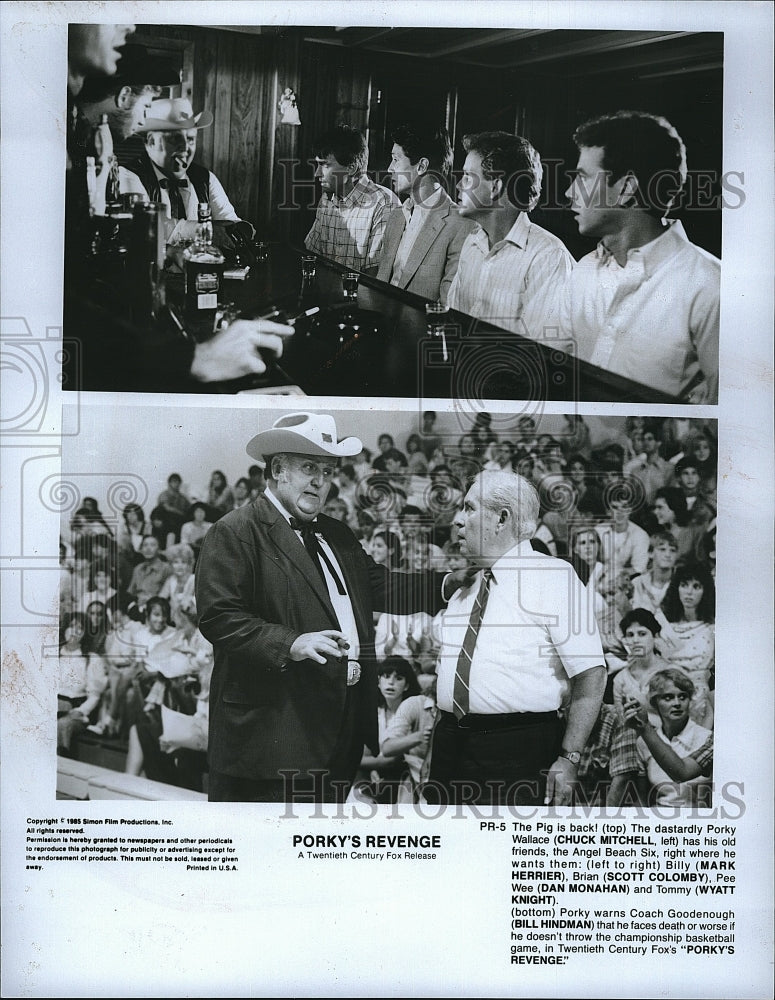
(203, 266)
(146, 262)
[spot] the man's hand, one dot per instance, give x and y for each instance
(233, 351)
(457, 580)
(318, 646)
(560, 783)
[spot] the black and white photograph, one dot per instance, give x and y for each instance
(389, 210)
(387, 525)
(618, 512)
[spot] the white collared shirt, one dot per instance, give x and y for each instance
(220, 206)
(514, 284)
(669, 792)
(341, 602)
(538, 631)
(655, 320)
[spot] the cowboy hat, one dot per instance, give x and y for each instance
(174, 114)
(303, 434)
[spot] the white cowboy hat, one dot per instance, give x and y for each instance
(173, 114)
(303, 434)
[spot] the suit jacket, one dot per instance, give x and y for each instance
(257, 590)
(433, 259)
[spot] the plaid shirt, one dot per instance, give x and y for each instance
(350, 230)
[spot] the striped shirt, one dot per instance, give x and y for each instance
(515, 283)
(350, 230)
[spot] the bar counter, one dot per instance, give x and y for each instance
(400, 358)
(379, 346)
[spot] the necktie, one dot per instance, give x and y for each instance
(173, 185)
(463, 670)
(316, 553)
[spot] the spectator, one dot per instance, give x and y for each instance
(397, 681)
(82, 681)
(671, 693)
(162, 528)
(179, 585)
(640, 630)
(193, 531)
(220, 497)
(690, 637)
(100, 590)
(169, 739)
(701, 511)
(625, 545)
(97, 628)
(672, 516)
(385, 548)
(409, 735)
(649, 588)
(175, 502)
(242, 493)
(147, 578)
(417, 463)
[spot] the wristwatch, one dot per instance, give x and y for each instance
(572, 755)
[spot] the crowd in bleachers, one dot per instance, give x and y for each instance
(633, 513)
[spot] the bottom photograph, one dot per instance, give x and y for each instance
(386, 606)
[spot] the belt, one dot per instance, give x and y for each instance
(488, 723)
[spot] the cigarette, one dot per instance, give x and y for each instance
(309, 312)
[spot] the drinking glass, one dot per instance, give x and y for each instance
(350, 281)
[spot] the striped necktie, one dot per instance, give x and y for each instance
(460, 703)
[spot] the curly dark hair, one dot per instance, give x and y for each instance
(671, 603)
(644, 145)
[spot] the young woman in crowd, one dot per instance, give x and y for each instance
(97, 627)
(416, 462)
(100, 589)
(82, 680)
(670, 695)
(219, 494)
(193, 531)
(397, 681)
(180, 585)
(168, 741)
(672, 515)
(162, 528)
(690, 637)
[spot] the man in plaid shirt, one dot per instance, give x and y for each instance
(352, 214)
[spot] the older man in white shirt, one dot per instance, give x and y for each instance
(520, 675)
(167, 172)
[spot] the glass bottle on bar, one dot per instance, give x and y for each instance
(203, 266)
(145, 270)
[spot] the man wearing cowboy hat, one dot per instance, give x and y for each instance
(166, 171)
(286, 595)
(113, 351)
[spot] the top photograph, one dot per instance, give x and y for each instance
(434, 213)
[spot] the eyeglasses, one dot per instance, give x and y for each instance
(310, 468)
